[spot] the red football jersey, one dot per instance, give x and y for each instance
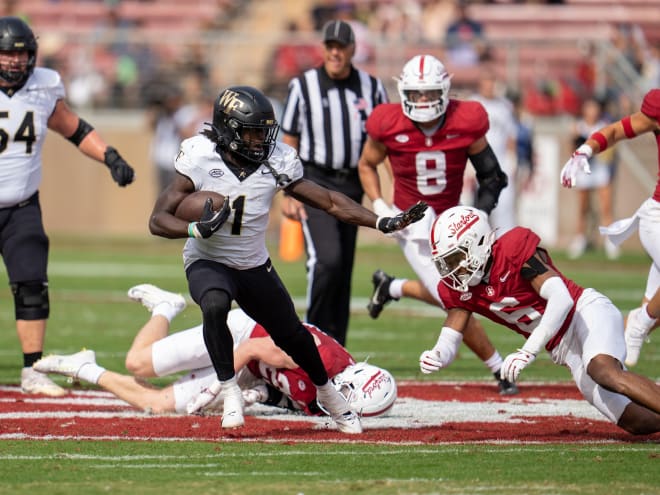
(507, 298)
(428, 168)
(651, 108)
(295, 383)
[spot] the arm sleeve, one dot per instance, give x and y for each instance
(559, 304)
(491, 178)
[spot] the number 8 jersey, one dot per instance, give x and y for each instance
(23, 127)
(428, 166)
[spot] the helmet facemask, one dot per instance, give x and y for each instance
(461, 242)
(254, 142)
(424, 88)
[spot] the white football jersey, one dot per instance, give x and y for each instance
(240, 243)
(23, 127)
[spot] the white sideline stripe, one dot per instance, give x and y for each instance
(119, 460)
(22, 436)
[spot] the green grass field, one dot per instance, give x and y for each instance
(89, 308)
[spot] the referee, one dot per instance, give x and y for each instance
(324, 115)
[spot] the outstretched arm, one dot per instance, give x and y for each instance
(552, 288)
(626, 128)
(345, 209)
(66, 122)
(445, 349)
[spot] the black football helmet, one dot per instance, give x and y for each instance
(16, 35)
(244, 123)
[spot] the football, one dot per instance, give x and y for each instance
(192, 206)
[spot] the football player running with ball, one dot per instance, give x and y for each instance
(33, 101)
(513, 281)
(226, 258)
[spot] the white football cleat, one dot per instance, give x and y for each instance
(232, 402)
(232, 410)
(151, 296)
(65, 364)
(636, 334)
(331, 401)
(33, 382)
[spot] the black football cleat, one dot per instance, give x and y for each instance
(381, 295)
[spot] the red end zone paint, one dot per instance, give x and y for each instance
(424, 413)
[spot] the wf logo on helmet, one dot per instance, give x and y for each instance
(230, 101)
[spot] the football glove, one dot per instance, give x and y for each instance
(122, 173)
(430, 361)
(578, 162)
(443, 353)
(204, 398)
(388, 225)
(514, 363)
(211, 220)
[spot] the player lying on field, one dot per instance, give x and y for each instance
(266, 374)
(513, 281)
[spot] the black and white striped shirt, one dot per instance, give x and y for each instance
(328, 116)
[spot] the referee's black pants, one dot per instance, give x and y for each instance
(330, 247)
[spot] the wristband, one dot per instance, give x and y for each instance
(192, 230)
(585, 150)
(627, 127)
(600, 139)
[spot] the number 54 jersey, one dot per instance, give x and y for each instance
(23, 127)
(428, 167)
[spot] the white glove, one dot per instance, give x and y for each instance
(430, 361)
(382, 209)
(514, 363)
(578, 162)
(204, 398)
(443, 352)
(254, 395)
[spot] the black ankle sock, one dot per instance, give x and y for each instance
(30, 358)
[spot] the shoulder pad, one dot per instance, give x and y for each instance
(651, 104)
(467, 116)
(43, 78)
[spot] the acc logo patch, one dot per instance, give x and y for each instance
(466, 296)
(402, 138)
(216, 172)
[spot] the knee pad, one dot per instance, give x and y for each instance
(31, 300)
(214, 303)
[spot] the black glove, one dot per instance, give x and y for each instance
(211, 220)
(122, 172)
(403, 219)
